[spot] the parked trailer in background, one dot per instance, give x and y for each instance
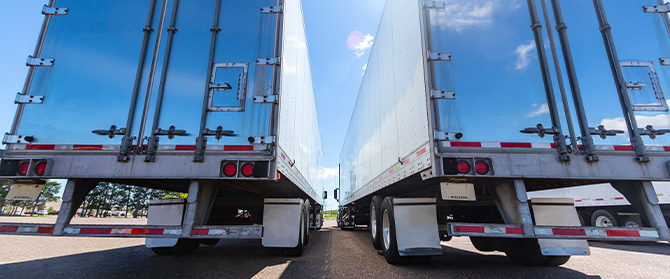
(464, 108)
(601, 205)
(213, 98)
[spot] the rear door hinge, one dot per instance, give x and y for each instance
(659, 9)
(263, 140)
(39, 62)
(437, 56)
(434, 4)
(46, 10)
(665, 61)
(268, 61)
(266, 99)
(28, 99)
(446, 136)
(441, 94)
(273, 9)
(7, 139)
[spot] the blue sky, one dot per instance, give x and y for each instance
(339, 37)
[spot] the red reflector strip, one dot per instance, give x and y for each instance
(147, 231)
(629, 233)
(94, 231)
(45, 230)
(40, 147)
(618, 198)
(568, 232)
(469, 229)
(624, 148)
(405, 162)
(465, 144)
(200, 232)
(666, 148)
(238, 148)
(578, 200)
(516, 145)
(10, 229)
(87, 147)
(553, 145)
(421, 152)
(514, 230)
(184, 147)
(600, 199)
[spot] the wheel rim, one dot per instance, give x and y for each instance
(373, 221)
(603, 221)
(386, 229)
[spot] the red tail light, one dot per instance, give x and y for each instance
(482, 167)
(248, 169)
(230, 169)
(23, 168)
(41, 168)
(463, 167)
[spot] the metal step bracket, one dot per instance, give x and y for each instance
(268, 61)
(39, 62)
(263, 140)
(7, 139)
(665, 61)
(435, 5)
(635, 85)
(273, 9)
(441, 94)
(446, 136)
(28, 99)
(658, 9)
(266, 99)
(46, 10)
(437, 56)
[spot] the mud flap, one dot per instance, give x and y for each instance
(558, 212)
(164, 213)
(281, 222)
(417, 233)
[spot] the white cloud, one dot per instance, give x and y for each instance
(660, 121)
(330, 173)
(544, 109)
(461, 16)
(360, 48)
(524, 55)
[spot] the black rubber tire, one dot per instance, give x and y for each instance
(307, 224)
(272, 251)
(210, 242)
(391, 252)
(444, 236)
(486, 244)
(186, 246)
(524, 252)
(375, 233)
(556, 260)
(419, 259)
(298, 249)
(604, 213)
(162, 251)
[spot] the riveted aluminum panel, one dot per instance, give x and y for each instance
(299, 134)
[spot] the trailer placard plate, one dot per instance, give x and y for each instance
(458, 191)
(24, 192)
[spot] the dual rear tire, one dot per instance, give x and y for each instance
(386, 233)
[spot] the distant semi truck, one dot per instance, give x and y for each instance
(213, 98)
(601, 205)
(467, 105)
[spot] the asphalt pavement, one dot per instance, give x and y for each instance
(331, 253)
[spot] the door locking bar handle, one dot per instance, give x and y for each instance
(219, 133)
(651, 132)
(111, 132)
(604, 133)
(170, 132)
(541, 131)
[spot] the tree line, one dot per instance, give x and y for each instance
(105, 197)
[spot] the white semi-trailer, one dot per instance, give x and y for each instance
(209, 97)
(601, 205)
(466, 105)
